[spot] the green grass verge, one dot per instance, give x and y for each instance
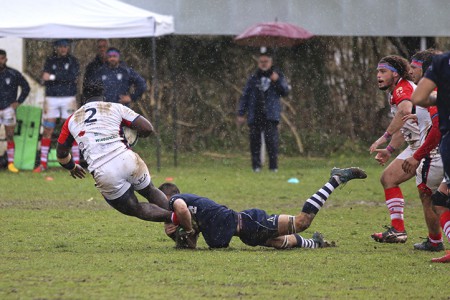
(60, 240)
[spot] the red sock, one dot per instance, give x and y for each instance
(10, 151)
(435, 239)
(445, 223)
(395, 204)
(174, 219)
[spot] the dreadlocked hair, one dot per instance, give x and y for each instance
(426, 56)
(399, 63)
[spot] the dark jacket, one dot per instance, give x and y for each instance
(66, 70)
(268, 101)
(118, 81)
(92, 68)
(10, 80)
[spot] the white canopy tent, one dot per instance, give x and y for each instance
(80, 19)
(50, 19)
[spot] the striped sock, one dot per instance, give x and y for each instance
(445, 223)
(395, 204)
(45, 148)
(10, 151)
(304, 243)
(75, 153)
(316, 201)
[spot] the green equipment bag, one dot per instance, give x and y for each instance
(26, 136)
(52, 161)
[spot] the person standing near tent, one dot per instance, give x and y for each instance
(10, 80)
(60, 76)
(260, 100)
(119, 79)
(99, 60)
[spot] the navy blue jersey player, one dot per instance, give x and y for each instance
(218, 224)
(438, 76)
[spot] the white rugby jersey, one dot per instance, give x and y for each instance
(96, 126)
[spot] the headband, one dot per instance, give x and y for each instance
(417, 63)
(113, 52)
(387, 66)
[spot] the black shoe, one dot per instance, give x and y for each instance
(345, 175)
(321, 242)
(391, 235)
(428, 246)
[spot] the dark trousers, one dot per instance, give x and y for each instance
(270, 129)
(444, 148)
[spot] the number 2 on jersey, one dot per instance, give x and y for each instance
(90, 119)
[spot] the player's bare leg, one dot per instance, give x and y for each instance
(9, 132)
(49, 127)
(290, 225)
(155, 196)
(441, 205)
(391, 178)
(434, 240)
(296, 240)
(129, 205)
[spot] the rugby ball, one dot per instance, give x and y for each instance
(130, 135)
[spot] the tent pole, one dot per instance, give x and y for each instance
(155, 95)
(175, 104)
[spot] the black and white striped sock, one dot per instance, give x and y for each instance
(316, 201)
(305, 243)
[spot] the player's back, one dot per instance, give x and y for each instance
(96, 127)
(216, 222)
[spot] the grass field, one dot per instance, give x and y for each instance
(60, 240)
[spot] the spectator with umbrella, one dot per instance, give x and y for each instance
(260, 98)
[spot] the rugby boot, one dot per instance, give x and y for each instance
(428, 246)
(443, 259)
(12, 168)
(321, 242)
(347, 174)
(391, 235)
(39, 169)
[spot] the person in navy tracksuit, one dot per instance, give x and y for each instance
(260, 100)
(119, 78)
(10, 81)
(98, 61)
(60, 77)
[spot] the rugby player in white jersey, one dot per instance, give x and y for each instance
(117, 170)
(426, 162)
(393, 76)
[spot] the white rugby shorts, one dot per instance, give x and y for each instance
(408, 152)
(59, 107)
(8, 116)
(115, 177)
(430, 172)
